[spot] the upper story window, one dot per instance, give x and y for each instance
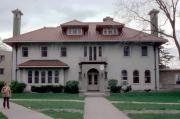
(85, 51)
(144, 51)
(1, 71)
(44, 51)
(25, 51)
(74, 31)
(2, 57)
(63, 52)
(110, 31)
(100, 51)
(126, 51)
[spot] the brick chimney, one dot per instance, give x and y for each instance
(17, 22)
(107, 19)
(154, 21)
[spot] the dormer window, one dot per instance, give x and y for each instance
(110, 31)
(74, 31)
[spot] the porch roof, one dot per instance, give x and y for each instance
(43, 64)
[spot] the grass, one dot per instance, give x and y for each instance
(130, 106)
(2, 116)
(65, 96)
(146, 97)
(51, 104)
(154, 116)
(64, 115)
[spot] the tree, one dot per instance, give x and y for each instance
(165, 57)
(138, 9)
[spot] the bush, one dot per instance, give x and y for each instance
(127, 88)
(17, 87)
(47, 88)
(72, 87)
(1, 84)
(112, 84)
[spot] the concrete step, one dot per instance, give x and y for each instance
(94, 94)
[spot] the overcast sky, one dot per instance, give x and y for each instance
(40, 13)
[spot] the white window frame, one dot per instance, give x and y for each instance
(110, 31)
(74, 31)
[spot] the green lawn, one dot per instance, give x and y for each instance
(163, 97)
(130, 106)
(50, 105)
(47, 96)
(154, 116)
(64, 115)
(2, 116)
(146, 97)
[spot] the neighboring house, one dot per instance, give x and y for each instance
(169, 79)
(5, 65)
(89, 52)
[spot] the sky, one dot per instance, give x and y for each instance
(40, 13)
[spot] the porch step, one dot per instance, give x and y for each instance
(94, 94)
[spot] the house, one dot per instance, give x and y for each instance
(5, 65)
(169, 79)
(89, 52)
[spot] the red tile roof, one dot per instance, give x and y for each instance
(55, 34)
(42, 63)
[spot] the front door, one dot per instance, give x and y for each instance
(93, 82)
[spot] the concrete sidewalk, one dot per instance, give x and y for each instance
(20, 112)
(100, 108)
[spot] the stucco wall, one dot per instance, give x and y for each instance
(7, 65)
(112, 51)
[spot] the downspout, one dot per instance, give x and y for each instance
(155, 68)
(16, 63)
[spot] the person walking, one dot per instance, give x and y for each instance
(6, 91)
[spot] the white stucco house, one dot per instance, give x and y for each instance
(89, 52)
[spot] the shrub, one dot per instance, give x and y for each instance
(112, 84)
(127, 88)
(1, 84)
(17, 87)
(72, 87)
(47, 88)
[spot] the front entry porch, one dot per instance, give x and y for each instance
(93, 79)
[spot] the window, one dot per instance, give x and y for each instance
(74, 31)
(63, 52)
(147, 74)
(49, 76)
(85, 51)
(29, 76)
(36, 76)
(100, 51)
(43, 77)
(136, 76)
(106, 75)
(110, 31)
(1, 71)
(56, 77)
(2, 57)
(178, 79)
(124, 77)
(44, 51)
(25, 51)
(90, 53)
(144, 51)
(94, 53)
(126, 51)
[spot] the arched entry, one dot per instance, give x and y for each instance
(93, 80)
